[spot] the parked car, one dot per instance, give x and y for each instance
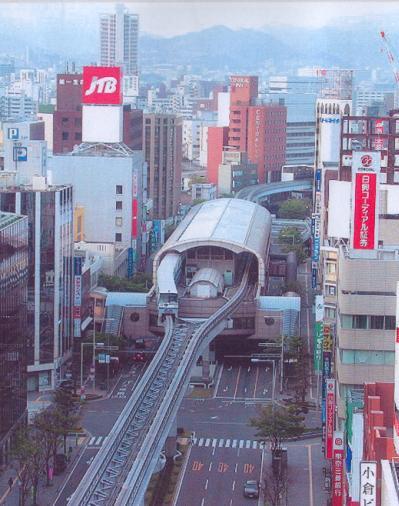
(251, 489)
(60, 463)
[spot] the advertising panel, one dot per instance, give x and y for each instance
(102, 86)
(77, 296)
(326, 371)
(317, 345)
(366, 161)
(364, 221)
(330, 416)
(368, 483)
(330, 131)
(318, 180)
(338, 469)
(134, 218)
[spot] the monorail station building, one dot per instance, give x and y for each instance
(201, 266)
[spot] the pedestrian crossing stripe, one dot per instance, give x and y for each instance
(228, 443)
(97, 441)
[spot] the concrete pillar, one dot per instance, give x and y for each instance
(205, 365)
(170, 443)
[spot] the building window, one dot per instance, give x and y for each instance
(78, 136)
(330, 312)
(118, 221)
(119, 189)
(65, 136)
(331, 267)
(118, 205)
(377, 322)
(118, 237)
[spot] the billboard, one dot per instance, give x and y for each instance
(338, 469)
(366, 161)
(317, 345)
(329, 137)
(102, 124)
(368, 483)
(330, 416)
(77, 296)
(102, 86)
(20, 154)
(134, 218)
(364, 216)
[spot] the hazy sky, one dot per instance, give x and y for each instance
(165, 18)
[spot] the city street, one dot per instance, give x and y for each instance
(218, 475)
(246, 381)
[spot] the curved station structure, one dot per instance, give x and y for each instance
(209, 280)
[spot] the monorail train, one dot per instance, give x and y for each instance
(168, 275)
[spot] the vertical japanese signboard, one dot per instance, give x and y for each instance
(330, 416)
(316, 227)
(368, 483)
(326, 373)
(366, 166)
(365, 211)
(338, 469)
(77, 296)
(318, 332)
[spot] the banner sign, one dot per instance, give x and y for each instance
(365, 210)
(338, 469)
(368, 483)
(330, 416)
(102, 86)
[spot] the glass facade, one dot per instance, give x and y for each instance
(14, 340)
(50, 275)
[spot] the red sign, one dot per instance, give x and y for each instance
(364, 216)
(338, 469)
(397, 334)
(102, 85)
(330, 416)
(379, 129)
(134, 218)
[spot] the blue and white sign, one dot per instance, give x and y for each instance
(318, 180)
(13, 134)
(20, 154)
(329, 120)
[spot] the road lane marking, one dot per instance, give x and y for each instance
(248, 444)
(201, 441)
(98, 442)
(221, 443)
(202, 502)
(207, 442)
(92, 441)
(227, 445)
(234, 443)
(256, 382)
(310, 475)
(210, 467)
(241, 445)
(236, 467)
(234, 485)
(214, 442)
(238, 379)
(254, 445)
(206, 484)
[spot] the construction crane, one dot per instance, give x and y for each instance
(389, 51)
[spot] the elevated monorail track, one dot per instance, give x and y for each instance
(121, 470)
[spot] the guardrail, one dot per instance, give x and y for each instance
(121, 470)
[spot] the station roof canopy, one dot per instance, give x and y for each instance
(234, 224)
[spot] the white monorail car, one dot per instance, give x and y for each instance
(168, 275)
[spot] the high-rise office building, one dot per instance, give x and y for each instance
(119, 40)
(162, 144)
(49, 305)
(14, 341)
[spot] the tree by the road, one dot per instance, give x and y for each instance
(294, 209)
(276, 487)
(276, 424)
(30, 455)
(301, 371)
(290, 240)
(139, 283)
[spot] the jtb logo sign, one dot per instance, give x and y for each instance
(102, 85)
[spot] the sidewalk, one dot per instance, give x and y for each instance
(46, 496)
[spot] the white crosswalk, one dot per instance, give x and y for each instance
(96, 441)
(228, 443)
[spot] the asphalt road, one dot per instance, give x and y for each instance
(246, 382)
(217, 476)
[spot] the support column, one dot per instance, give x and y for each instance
(170, 443)
(205, 366)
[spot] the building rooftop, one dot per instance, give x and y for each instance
(234, 224)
